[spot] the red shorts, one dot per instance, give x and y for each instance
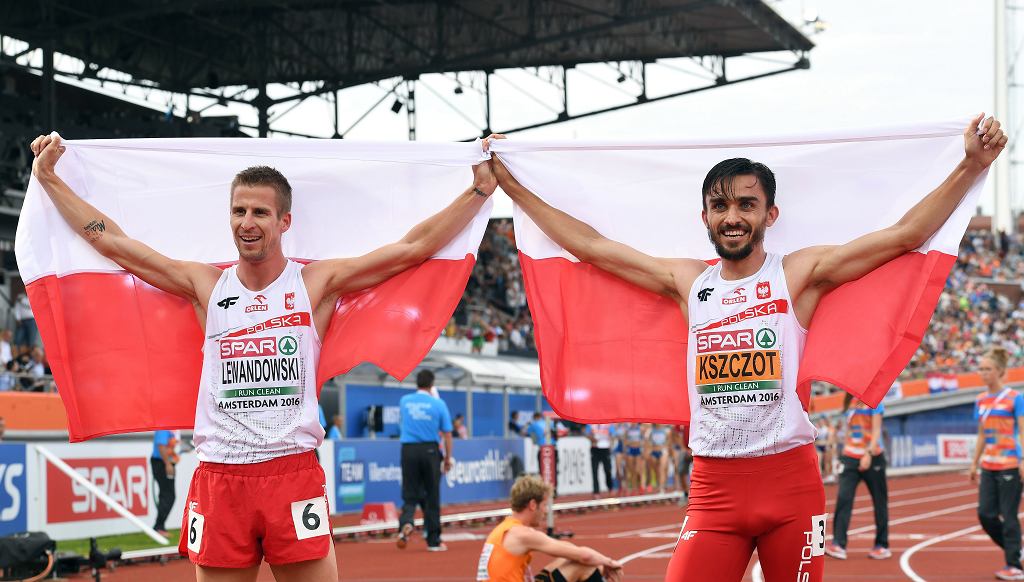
(774, 503)
(238, 514)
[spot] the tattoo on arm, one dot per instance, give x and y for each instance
(94, 230)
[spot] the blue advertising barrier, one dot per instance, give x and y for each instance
(13, 492)
(370, 471)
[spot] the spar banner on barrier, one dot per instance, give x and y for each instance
(14, 498)
(371, 472)
(938, 449)
(956, 448)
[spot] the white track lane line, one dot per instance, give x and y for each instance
(908, 519)
(643, 553)
(905, 557)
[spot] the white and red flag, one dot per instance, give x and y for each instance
(610, 351)
(127, 357)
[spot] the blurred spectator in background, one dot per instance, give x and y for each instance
(514, 428)
(26, 334)
(459, 427)
(337, 430)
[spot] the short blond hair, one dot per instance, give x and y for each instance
(528, 488)
(999, 356)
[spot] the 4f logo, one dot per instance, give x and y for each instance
(764, 290)
(227, 302)
(688, 535)
(703, 294)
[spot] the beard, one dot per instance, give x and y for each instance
(756, 237)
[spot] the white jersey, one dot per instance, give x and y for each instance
(257, 397)
(743, 356)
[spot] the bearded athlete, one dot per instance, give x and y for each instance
(755, 478)
(259, 491)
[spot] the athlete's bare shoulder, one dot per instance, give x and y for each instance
(685, 272)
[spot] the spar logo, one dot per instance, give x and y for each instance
(248, 347)
(737, 296)
(765, 338)
(725, 341)
(255, 347)
(764, 290)
(287, 345)
(125, 480)
(260, 305)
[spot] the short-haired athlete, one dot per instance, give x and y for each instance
(1000, 414)
(508, 550)
(755, 478)
(259, 491)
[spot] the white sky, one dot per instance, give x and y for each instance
(878, 62)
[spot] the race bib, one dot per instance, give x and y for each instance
(738, 368)
(196, 522)
(817, 541)
(485, 558)
(310, 518)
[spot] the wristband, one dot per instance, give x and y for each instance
(479, 192)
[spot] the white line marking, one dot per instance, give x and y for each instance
(905, 557)
(643, 553)
(909, 519)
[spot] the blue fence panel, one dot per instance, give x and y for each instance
(13, 490)
(488, 414)
(369, 471)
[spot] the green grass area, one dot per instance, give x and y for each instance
(127, 542)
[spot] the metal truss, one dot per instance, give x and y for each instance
(272, 56)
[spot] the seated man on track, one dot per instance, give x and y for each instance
(507, 552)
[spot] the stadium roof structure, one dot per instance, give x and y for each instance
(211, 48)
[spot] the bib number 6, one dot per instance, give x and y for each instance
(310, 518)
(195, 530)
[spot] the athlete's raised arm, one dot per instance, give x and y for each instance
(669, 277)
(331, 278)
(817, 270)
(191, 280)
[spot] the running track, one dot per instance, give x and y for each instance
(933, 531)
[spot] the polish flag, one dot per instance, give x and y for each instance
(126, 357)
(610, 351)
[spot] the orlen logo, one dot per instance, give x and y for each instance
(248, 347)
(764, 290)
(260, 305)
(737, 296)
(125, 480)
(742, 339)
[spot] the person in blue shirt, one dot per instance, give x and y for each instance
(538, 430)
(337, 426)
(424, 419)
(163, 460)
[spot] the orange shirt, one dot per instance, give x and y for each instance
(497, 564)
(858, 431)
(998, 414)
